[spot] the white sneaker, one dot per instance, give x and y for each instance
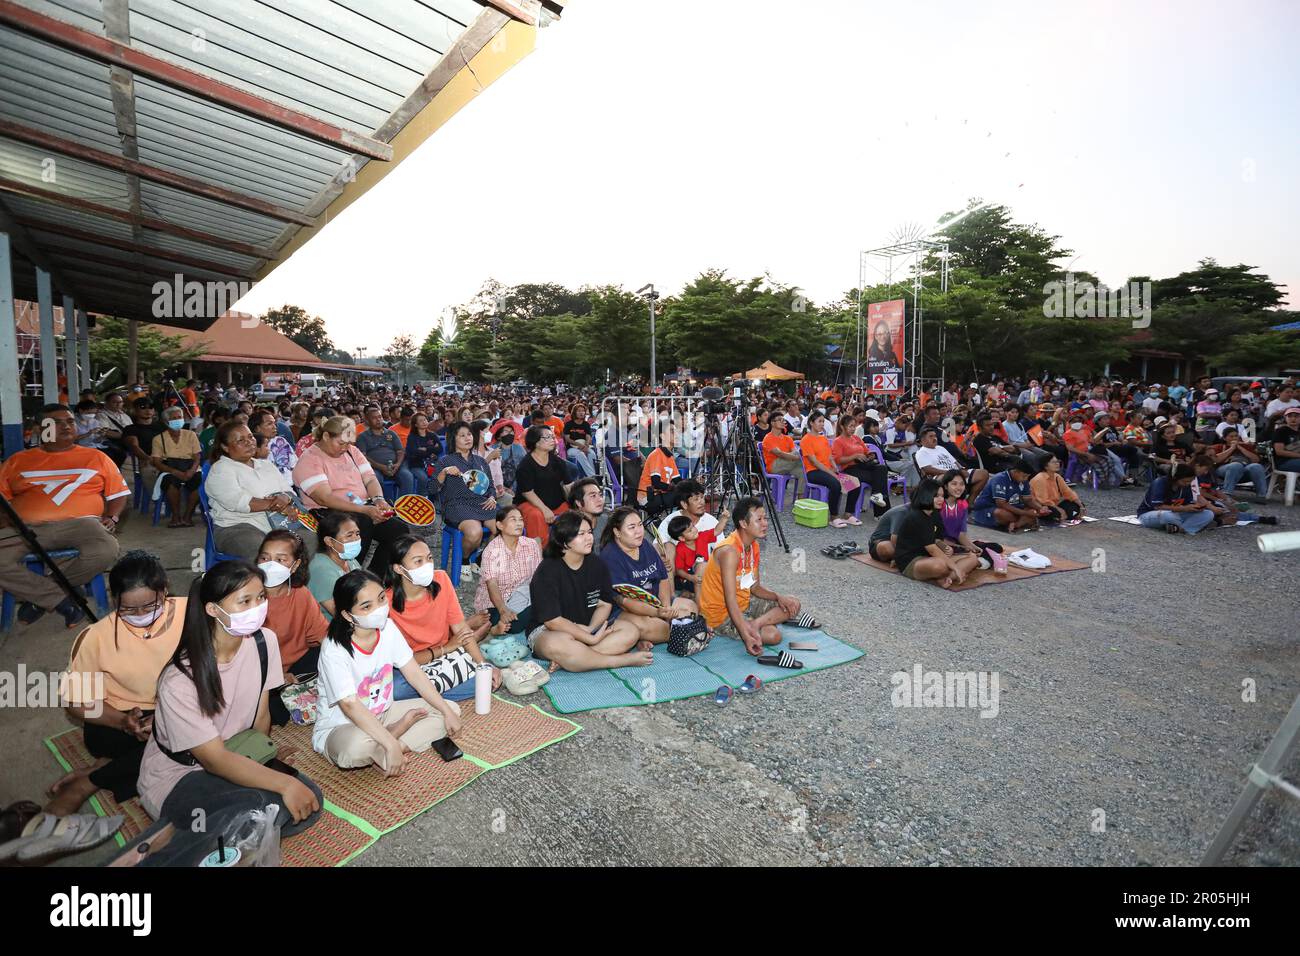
(879, 500)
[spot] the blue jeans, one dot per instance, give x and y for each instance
(585, 461)
(1287, 464)
(412, 481)
(1190, 521)
(406, 481)
(1231, 474)
(402, 689)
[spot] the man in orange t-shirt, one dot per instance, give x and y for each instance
(778, 449)
(71, 497)
(659, 464)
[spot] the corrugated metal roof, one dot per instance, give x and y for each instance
(226, 181)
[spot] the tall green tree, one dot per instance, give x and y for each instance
(400, 357)
(306, 330)
(1217, 314)
(155, 352)
(721, 325)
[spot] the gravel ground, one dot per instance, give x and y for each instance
(1120, 692)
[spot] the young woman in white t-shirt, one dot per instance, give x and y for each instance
(358, 722)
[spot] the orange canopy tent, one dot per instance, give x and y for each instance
(772, 372)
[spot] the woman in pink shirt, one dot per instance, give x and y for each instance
(333, 474)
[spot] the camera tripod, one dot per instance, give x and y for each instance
(732, 469)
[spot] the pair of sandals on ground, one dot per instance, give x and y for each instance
(28, 835)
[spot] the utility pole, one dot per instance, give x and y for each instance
(651, 297)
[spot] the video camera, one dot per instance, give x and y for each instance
(715, 398)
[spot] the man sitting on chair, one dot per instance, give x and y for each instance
(733, 600)
(71, 497)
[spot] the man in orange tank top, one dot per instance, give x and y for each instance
(733, 600)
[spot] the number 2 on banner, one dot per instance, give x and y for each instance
(885, 383)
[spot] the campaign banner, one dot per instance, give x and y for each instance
(885, 347)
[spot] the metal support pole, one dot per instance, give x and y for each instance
(862, 291)
(11, 386)
(49, 351)
(83, 348)
(70, 350)
(653, 375)
(1262, 775)
(132, 351)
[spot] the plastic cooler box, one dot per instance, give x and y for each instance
(812, 513)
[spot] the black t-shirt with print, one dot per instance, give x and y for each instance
(988, 460)
(559, 591)
(1288, 437)
(916, 531)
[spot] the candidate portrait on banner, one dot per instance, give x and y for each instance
(885, 351)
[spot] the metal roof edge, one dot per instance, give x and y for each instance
(507, 46)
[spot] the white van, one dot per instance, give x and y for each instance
(313, 385)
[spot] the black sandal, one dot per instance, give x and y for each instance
(784, 659)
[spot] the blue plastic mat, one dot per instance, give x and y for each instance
(669, 678)
(571, 693)
(727, 658)
(724, 661)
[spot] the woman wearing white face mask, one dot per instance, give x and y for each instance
(338, 546)
(424, 607)
(293, 614)
(216, 686)
(359, 723)
(111, 684)
(176, 455)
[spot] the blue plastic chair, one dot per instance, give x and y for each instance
(817, 493)
(893, 478)
(211, 556)
(95, 587)
(778, 483)
(614, 483)
(453, 543)
(1076, 470)
(390, 488)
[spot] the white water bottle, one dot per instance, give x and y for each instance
(483, 688)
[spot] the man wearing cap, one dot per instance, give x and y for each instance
(1107, 441)
(1153, 400)
(1286, 441)
(1209, 411)
(1006, 503)
(934, 459)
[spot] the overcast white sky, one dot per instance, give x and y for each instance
(645, 142)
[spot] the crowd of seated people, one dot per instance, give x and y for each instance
(359, 602)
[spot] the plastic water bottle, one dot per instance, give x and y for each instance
(483, 688)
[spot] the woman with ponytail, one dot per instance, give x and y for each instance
(358, 723)
(215, 687)
(426, 610)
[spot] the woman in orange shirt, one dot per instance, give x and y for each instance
(853, 458)
(819, 466)
(292, 613)
(423, 604)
